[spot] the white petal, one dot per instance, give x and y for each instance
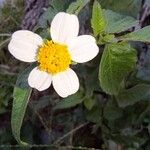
(66, 83)
(83, 48)
(39, 80)
(63, 27)
(24, 45)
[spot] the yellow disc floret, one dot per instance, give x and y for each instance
(53, 57)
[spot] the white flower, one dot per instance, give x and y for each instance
(54, 57)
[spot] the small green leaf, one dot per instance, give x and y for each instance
(70, 101)
(133, 95)
(76, 7)
(98, 22)
(117, 23)
(21, 95)
(89, 103)
(142, 35)
(108, 38)
(117, 61)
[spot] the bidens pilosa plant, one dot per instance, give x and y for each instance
(116, 79)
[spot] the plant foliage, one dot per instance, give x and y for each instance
(112, 106)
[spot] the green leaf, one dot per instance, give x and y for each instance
(108, 38)
(117, 61)
(127, 7)
(76, 7)
(98, 22)
(116, 22)
(70, 101)
(133, 95)
(89, 103)
(21, 95)
(142, 35)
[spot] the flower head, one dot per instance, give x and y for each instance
(54, 57)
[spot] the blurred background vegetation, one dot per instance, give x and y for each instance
(97, 122)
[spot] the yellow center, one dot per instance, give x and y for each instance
(53, 57)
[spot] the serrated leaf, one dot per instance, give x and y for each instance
(133, 95)
(76, 7)
(70, 101)
(117, 61)
(98, 22)
(142, 35)
(21, 95)
(116, 23)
